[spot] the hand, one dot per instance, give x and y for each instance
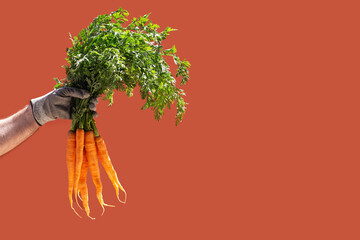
(56, 104)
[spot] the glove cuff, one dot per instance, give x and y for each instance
(32, 110)
(38, 106)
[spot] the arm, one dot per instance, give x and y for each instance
(16, 129)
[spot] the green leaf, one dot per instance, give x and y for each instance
(109, 96)
(58, 83)
(174, 49)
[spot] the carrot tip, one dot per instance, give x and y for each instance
(88, 214)
(117, 193)
(75, 212)
(103, 210)
(79, 196)
(78, 203)
(107, 205)
(124, 197)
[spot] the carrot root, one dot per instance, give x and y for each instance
(78, 201)
(83, 191)
(75, 211)
(79, 159)
(70, 162)
(109, 168)
(91, 154)
(82, 155)
(79, 195)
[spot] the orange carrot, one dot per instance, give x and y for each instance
(83, 187)
(106, 162)
(79, 157)
(70, 162)
(91, 154)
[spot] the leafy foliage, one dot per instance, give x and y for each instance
(108, 56)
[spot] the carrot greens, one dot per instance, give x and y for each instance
(108, 56)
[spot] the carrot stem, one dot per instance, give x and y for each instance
(87, 124)
(81, 123)
(96, 133)
(73, 125)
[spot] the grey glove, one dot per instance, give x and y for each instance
(56, 104)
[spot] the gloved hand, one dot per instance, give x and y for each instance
(56, 104)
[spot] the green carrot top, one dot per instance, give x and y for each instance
(107, 56)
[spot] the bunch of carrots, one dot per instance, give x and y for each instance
(83, 150)
(106, 57)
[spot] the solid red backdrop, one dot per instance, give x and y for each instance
(268, 149)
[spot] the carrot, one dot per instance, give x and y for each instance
(91, 154)
(106, 162)
(83, 187)
(79, 157)
(70, 162)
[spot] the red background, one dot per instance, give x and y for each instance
(268, 149)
